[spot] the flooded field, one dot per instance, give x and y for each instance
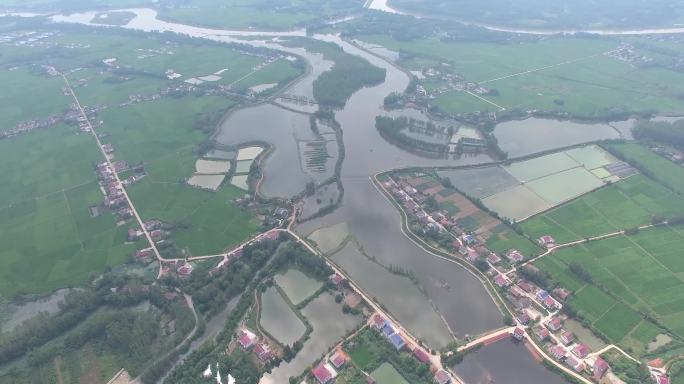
(278, 319)
(211, 182)
(480, 182)
(243, 166)
(18, 313)
(324, 197)
(506, 362)
(248, 153)
(212, 166)
(283, 173)
(525, 137)
(330, 238)
(219, 154)
(297, 286)
(329, 326)
(563, 186)
(240, 181)
(397, 293)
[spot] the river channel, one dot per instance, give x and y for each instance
(443, 298)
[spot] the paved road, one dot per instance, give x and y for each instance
(116, 175)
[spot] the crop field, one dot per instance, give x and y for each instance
(574, 75)
(29, 96)
(48, 181)
(630, 274)
(625, 204)
(49, 239)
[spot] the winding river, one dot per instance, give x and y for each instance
(443, 300)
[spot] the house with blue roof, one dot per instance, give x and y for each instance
(387, 330)
(397, 341)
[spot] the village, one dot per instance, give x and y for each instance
(535, 311)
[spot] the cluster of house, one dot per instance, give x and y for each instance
(159, 233)
(114, 199)
(627, 52)
(672, 154)
(326, 371)
(249, 341)
(24, 38)
(209, 375)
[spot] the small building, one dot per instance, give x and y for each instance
(558, 352)
(387, 330)
(581, 350)
(527, 286)
(541, 333)
(567, 337)
(336, 279)
(554, 324)
(561, 293)
(501, 281)
(575, 364)
(547, 241)
(515, 256)
(421, 355)
(518, 333)
(263, 352)
(397, 341)
(550, 303)
(493, 258)
(338, 359)
(599, 369)
(523, 318)
(322, 374)
(378, 321)
(542, 295)
(246, 338)
(472, 255)
(442, 377)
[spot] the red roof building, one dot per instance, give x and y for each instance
(442, 377)
(263, 352)
(378, 321)
(541, 333)
(600, 367)
(554, 324)
(335, 278)
(567, 337)
(575, 364)
(581, 350)
(561, 293)
(493, 258)
(515, 256)
(558, 352)
(246, 338)
(500, 280)
(550, 303)
(322, 374)
(518, 333)
(421, 355)
(338, 359)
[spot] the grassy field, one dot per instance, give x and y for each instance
(625, 204)
(575, 78)
(630, 275)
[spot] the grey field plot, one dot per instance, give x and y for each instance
(480, 182)
(297, 286)
(278, 319)
(591, 156)
(516, 203)
(538, 167)
(565, 185)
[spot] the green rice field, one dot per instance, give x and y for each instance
(387, 374)
(630, 275)
(625, 204)
(663, 170)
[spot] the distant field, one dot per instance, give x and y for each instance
(642, 271)
(587, 84)
(625, 204)
(663, 170)
(240, 14)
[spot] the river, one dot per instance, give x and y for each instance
(447, 291)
